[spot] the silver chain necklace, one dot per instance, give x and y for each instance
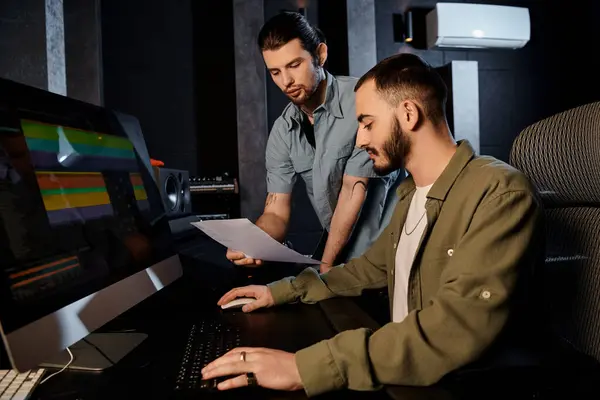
(418, 223)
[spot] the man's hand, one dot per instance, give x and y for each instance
(324, 268)
(273, 369)
(239, 258)
(273, 221)
(262, 294)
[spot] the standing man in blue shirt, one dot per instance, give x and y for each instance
(315, 138)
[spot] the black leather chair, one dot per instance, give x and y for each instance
(561, 156)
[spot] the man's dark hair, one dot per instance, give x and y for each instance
(408, 77)
(287, 26)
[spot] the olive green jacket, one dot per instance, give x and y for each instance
(483, 231)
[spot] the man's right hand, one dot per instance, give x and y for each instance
(262, 294)
(239, 258)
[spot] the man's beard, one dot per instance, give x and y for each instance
(307, 95)
(309, 92)
(395, 149)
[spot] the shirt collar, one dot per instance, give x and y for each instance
(332, 100)
(463, 155)
(332, 97)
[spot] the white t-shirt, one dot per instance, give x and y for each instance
(412, 231)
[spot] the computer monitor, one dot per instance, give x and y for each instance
(83, 236)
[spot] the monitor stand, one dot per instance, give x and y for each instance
(97, 351)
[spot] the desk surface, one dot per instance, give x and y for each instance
(148, 372)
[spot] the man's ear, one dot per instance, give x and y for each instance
(322, 53)
(410, 115)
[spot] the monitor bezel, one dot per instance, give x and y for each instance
(40, 340)
(37, 342)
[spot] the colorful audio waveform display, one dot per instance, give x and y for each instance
(41, 273)
(69, 164)
(58, 148)
(139, 191)
(74, 196)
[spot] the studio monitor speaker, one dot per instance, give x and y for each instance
(174, 187)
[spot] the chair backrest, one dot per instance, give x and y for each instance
(561, 156)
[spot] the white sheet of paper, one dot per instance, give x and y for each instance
(242, 235)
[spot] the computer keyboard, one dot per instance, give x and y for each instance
(206, 341)
(19, 386)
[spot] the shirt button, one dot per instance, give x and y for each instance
(450, 252)
(395, 245)
(392, 272)
(486, 294)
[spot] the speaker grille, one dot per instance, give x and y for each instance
(171, 193)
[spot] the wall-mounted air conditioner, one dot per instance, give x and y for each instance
(477, 26)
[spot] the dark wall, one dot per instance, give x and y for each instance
(251, 107)
(149, 72)
(214, 68)
(333, 23)
(23, 50)
(519, 87)
(23, 56)
(83, 50)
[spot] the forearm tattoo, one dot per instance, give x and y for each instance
(359, 183)
(271, 197)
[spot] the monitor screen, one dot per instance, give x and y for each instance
(78, 210)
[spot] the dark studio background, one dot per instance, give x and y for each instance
(555, 71)
(172, 65)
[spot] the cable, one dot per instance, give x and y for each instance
(73, 358)
(99, 351)
(63, 368)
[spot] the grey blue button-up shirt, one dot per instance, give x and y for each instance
(289, 155)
